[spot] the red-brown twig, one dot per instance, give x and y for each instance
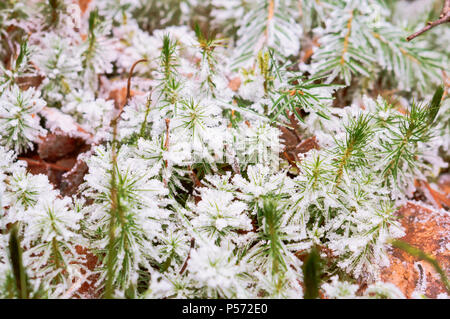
(183, 268)
(166, 146)
(129, 78)
(194, 177)
(116, 118)
(443, 18)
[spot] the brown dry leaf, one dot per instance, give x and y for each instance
(25, 82)
(55, 172)
(438, 197)
(290, 134)
(307, 145)
(289, 137)
(444, 184)
(66, 163)
(294, 143)
(120, 96)
(57, 151)
(36, 165)
(88, 289)
(57, 145)
(72, 180)
(235, 83)
(428, 230)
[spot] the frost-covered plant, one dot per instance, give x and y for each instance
(51, 233)
(48, 224)
(357, 40)
(93, 114)
(19, 67)
(59, 61)
(250, 134)
(126, 214)
(267, 24)
(19, 119)
(98, 49)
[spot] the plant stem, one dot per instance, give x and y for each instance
(443, 18)
(15, 252)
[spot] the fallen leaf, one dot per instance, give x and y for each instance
(235, 83)
(427, 229)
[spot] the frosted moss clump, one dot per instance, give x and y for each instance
(19, 119)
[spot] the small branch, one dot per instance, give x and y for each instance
(116, 118)
(443, 18)
(166, 141)
(446, 80)
(166, 147)
(129, 79)
(183, 268)
(116, 208)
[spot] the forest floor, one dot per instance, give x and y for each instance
(425, 218)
